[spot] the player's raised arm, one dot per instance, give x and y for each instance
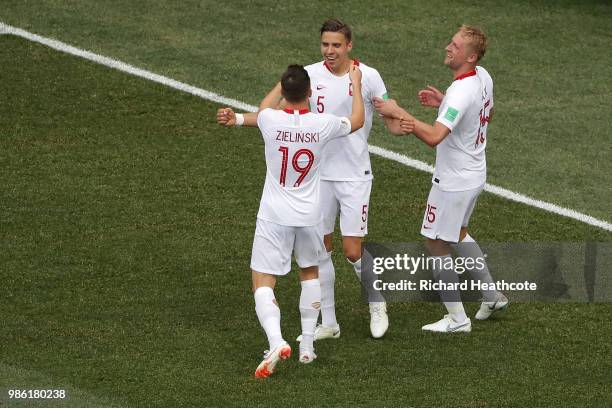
(358, 110)
(274, 99)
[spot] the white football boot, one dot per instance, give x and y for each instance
(323, 332)
(487, 308)
(307, 356)
(448, 325)
(379, 321)
(271, 359)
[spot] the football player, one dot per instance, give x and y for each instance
(289, 218)
(346, 173)
(459, 135)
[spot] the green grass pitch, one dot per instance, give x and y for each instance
(126, 220)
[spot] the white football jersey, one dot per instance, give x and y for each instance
(294, 141)
(346, 159)
(465, 110)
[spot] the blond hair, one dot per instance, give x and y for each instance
(476, 38)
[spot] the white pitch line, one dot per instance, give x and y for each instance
(211, 96)
(498, 191)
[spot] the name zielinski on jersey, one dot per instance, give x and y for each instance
(298, 137)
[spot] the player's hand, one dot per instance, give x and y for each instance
(407, 124)
(431, 97)
(387, 108)
(355, 74)
(226, 117)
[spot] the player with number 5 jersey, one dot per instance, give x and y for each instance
(290, 216)
(346, 173)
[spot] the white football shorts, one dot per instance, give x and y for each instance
(447, 212)
(273, 245)
(352, 198)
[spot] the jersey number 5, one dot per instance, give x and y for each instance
(320, 106)
(303, 170)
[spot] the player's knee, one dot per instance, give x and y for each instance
(352, 249)
(352, 254)
(311, 272)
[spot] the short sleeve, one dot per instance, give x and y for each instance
(375, 88)
(345, 127)
(454, 105)
(337, 127)
(261, 117)
(377, 85)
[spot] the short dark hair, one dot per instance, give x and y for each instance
(295, 83)
(336, 26)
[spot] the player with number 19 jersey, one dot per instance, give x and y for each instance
(345, 159)
(294, 141)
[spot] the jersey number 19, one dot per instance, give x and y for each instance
(302, 170)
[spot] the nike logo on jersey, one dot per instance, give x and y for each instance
(424, 227)
(319, 87)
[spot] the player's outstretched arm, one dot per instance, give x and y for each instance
(394, 126)
(228, 118)
(431, 97)
(398, 121)
(431, 135)
(390, 109)
(358, 110)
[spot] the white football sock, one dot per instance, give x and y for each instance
(451, 298)
(310, 303)
(469, 248)
(327, 277)
(357, 267)
(269, 315)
